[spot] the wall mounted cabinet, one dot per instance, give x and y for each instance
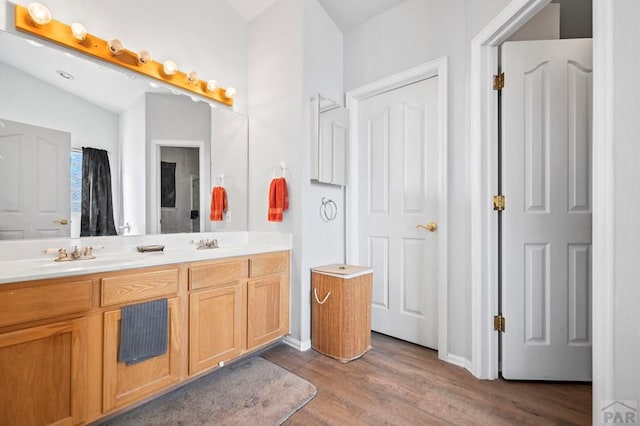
(330, 135)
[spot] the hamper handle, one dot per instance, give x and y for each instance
(315, 293)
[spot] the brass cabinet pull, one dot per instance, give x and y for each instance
(431, 226)
(62, 221)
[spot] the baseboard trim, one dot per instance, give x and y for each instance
(289, 340)
(460, 362)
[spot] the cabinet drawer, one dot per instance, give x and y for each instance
(138, 286)
(48, 301)
(271, 263)
(212, 275)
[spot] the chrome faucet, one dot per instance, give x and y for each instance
(76, 254)
(207, 244)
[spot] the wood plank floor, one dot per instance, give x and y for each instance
(404, 384)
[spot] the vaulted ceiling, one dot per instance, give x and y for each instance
(347, 14)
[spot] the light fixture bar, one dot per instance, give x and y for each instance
(61, 33)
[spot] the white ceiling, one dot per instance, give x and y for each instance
(347, 14)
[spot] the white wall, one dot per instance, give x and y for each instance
(479, 13)
(544, 26)
(616, 289)
(294, 52)
(203, 35)
(133, 151)
(323, 73)
(275, 126)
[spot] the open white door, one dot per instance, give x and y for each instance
(35, 174)
(399, 167)
(546, 226)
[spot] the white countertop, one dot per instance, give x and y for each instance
(26, 260)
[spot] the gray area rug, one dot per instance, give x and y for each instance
(252, 392)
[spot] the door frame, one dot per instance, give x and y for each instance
(153, 215)
(437, 67)
(483, 168)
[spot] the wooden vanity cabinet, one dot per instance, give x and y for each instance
(236, 306)
(42, 374)
(125, 384)
(267, 298)
(43, 359)
(217, 313)
(59, 338)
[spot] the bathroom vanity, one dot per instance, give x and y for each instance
(60, 321)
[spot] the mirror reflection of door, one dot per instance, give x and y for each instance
(34, 169)
(178, 165)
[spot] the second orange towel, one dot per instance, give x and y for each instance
(218, 203)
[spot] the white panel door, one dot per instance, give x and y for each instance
(546, 226)
(35, 171)
(399, 178)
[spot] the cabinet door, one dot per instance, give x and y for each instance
(267, 309)
(42, 371)
(125, 384)
(217, 325)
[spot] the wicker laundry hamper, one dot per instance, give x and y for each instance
(341, 310)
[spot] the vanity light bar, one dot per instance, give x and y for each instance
(62, 34)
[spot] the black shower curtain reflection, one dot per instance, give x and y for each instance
(97, 205)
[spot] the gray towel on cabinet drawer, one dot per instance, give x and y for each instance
(143, 331)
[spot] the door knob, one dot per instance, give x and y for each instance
(431, 226)
(62, 221)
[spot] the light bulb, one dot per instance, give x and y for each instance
(212, 85)
(39, 13)
(144, 57)
(79, 31)
(115, 46)
(230, 92)
(192, 77)
(169, 67)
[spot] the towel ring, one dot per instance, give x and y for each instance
(219, 180)
(328, 210)
(283, 167)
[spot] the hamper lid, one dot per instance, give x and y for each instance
(342, 270)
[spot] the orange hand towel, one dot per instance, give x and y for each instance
(218, 203)
(278, 200)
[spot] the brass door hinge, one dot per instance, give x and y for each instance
(498, 81)
(499, 203)
(499, 323)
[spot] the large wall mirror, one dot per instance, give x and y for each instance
(55, 102)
